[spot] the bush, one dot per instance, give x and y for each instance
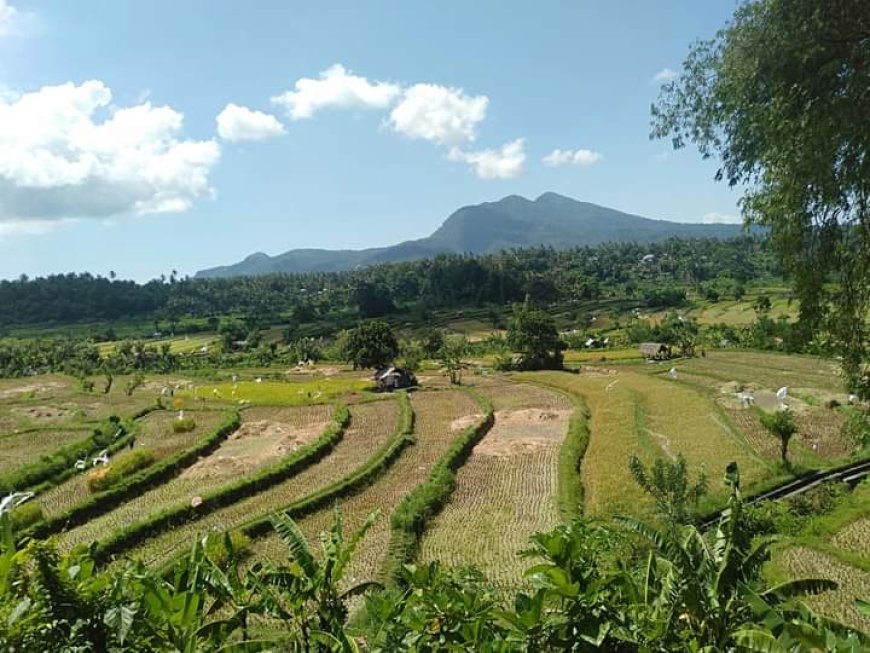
(857, 428)
(222, 554)
(183, 425)
(119, 470)
(25, 515)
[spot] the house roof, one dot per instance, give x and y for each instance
(652, 347)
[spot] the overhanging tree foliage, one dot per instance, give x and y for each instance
(781, 96)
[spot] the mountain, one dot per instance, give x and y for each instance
(489, 227)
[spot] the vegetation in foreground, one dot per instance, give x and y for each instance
(594, 587)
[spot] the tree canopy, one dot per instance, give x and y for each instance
(781, 97)
(371, 344)
(533, 334)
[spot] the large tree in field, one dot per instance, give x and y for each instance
(533, 334)
(781, 96)
(371, 344)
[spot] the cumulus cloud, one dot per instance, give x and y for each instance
(571, 157)
(721, 218)
(335, 87)
(665, 75)
(443, 115)
(237, 123)
(66, 152)
(506, 162)
(9, 17)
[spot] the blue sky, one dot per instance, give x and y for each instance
(111, 157)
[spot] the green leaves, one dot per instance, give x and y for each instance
(780, 97)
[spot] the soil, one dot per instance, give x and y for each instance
(44, 413)
(518, 432)
(462, 423)
(32, 387)
(254, 445)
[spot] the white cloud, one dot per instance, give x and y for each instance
(9, 17)
(30, 227)
(237, 123)
(665, 75)
(571, 157)
(507, 162)
(443, 115)
(721, 218)
(65, 152)
(335, 87)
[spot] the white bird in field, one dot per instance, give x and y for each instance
(101, 459)
(259, 379)
(81, 464)
(180, 414)
(672, 372)
(235, 378)
(13, 500)
(853, 399)
(782, 393)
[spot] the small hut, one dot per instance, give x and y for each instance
(655, 351)
(394, 378)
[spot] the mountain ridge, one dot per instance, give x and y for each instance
(513, 221)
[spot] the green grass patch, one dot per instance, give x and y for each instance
(319, 390)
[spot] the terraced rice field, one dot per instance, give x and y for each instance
(804, 562)
(649, 417)
(507, 488)
(22, 448)
(855, 537)
(155, 434)
(435, 412)
(371, 427)
(266, 436)
(768, 370)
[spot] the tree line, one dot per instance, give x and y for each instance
(446, 281)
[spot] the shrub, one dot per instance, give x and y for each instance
(224, 553)
(857, 427)
(183, 425)
(120, 470)
(25, 515)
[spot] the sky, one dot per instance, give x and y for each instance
(145, 137)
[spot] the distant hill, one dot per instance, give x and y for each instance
(489, 227)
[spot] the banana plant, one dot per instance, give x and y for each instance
(311, 592)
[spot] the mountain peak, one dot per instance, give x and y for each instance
(550, 196)
(514, 221)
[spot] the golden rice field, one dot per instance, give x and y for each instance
(372, 425)
(155, 434)
(603, 355)
(804, 562)
(506, 490)
(854, 537)
(440, 417)
(258, 443)
(508, 487)
(647, 416)
(769, 370)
